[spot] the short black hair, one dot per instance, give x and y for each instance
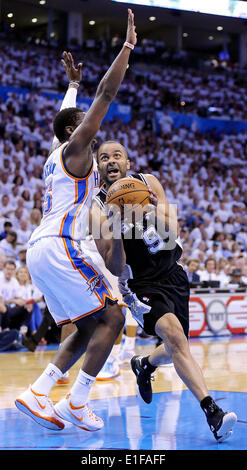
(66, 117)
(111, 142)
(7, 224)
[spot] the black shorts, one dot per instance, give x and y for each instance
(165, 295)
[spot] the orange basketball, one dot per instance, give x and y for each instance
(128, 191)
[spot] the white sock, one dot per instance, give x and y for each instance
(129, 342)
(47, 379)
(81, 388)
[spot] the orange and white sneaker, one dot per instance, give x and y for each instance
(40, 408)
(80, 416)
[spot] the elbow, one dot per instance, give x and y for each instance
(119, 271)
(115, 269)
(106, 91)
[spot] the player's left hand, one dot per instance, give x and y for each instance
(153, 197)
(73, 73)
(131, 35)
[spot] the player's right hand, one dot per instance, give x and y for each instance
(137, 308)
(131, 35)
(73, 73)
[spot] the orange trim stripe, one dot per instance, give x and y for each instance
(89, 265)
(105, 296)
(62, 224)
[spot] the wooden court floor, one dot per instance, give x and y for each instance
(173, 421)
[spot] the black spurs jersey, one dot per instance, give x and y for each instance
(146, 253)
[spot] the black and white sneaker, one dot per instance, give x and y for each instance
(221, 423)
(143, 377)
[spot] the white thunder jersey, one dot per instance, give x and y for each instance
(67, 200)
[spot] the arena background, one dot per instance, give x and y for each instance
(181, 113)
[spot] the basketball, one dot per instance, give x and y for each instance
(128, 191)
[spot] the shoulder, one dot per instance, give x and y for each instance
(151, 179)
(155, 185)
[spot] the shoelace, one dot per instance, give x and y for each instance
(90, 413)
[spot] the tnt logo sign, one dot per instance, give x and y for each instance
(216, 316)
(95, 282)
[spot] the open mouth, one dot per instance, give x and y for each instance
(113, 171)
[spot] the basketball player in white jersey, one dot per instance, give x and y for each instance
(74, 289)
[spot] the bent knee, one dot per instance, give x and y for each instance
(113, 316)
(171, 331)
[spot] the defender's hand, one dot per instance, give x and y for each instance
(131, 35)
(73, 73)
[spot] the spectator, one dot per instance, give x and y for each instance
(191, 268)
(8, 245)
(22, 253)
(31, 294)
(236, 277)
(6, 206)
(222, 267)
(209, 274)
(35, 218)
(7, 226)
(215, 251)
(16, 315)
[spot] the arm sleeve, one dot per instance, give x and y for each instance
(69, 101)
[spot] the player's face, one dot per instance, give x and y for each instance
(112, 162)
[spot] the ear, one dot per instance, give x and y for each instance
(69, 130)
(128, 164)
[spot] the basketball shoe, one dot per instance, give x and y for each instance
(220, 422)
(125, 355)
(80, 416)
(110, 370)
(143, 374)
(40, 408)
(29, 342)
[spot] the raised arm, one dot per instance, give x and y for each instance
(74, 75)
(77, 155)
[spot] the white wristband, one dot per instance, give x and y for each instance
(129, 45)
(73, 82)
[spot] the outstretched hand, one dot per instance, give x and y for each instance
(73, 73)
(131, 35)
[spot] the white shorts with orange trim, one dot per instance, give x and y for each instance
(89, 248)
(72, 285)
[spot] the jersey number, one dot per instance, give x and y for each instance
(47, 204)
(153, 240)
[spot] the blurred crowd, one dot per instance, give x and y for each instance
(214, 88)
(205, 175)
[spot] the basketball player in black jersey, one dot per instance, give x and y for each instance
(152, 277)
